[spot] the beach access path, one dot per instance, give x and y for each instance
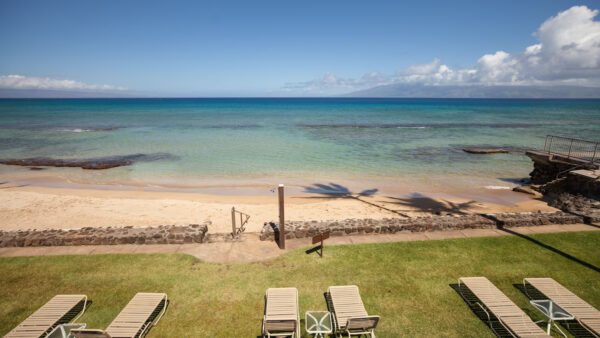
(251, 249)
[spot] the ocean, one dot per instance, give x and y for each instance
(190, 142)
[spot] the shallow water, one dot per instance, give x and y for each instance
(302, 139)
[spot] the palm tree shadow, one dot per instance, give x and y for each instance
(333, 190)
(337, 191)
(427, 204)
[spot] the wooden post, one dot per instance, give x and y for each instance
(321, 253)
(233, 222)
(281, 218)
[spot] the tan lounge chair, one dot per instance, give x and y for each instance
(60, 309)
(584, 313)
(282, 317)
(142, 312)
(349, 314)
(496, 305)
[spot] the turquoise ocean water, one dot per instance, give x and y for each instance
(223, 139)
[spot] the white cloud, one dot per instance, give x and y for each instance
(46, 83)
(567, 52)
(568, 48)
(496, 68)
(425, 69)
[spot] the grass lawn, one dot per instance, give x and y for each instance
(407, 284)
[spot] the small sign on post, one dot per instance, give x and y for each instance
(319, 239)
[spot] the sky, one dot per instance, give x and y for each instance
(302, 48)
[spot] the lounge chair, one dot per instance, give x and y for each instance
(498, 307)
(282, 317)
(142, 312)
(584, 313)
(349, 314)
(60, 309)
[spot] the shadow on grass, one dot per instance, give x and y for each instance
(427, 204)
(472, 301)
(573, 326)
(551, 248)
(337, 191)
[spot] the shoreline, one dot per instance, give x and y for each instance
(401, 185)
(35, 206)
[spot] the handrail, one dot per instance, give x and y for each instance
(235, 231)
(573, 148)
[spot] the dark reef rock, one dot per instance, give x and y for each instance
(96, 163)
(476, 150)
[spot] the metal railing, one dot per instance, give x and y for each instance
(235, 231)
(567, 147)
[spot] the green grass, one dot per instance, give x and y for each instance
(408, 284)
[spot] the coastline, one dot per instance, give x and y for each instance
(56, 205)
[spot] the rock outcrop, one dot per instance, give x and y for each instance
(476, 150)
(96, 163)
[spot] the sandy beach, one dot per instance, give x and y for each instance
(38, 207)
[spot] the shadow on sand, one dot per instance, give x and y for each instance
(424, 203)
(337, 191)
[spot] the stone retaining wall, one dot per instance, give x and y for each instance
(296, 229)
(164, 234)
(588, 208)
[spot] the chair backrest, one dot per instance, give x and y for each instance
(138, 315)
(60, 309)
(281, 310)
(347, 304)
(281, 304)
